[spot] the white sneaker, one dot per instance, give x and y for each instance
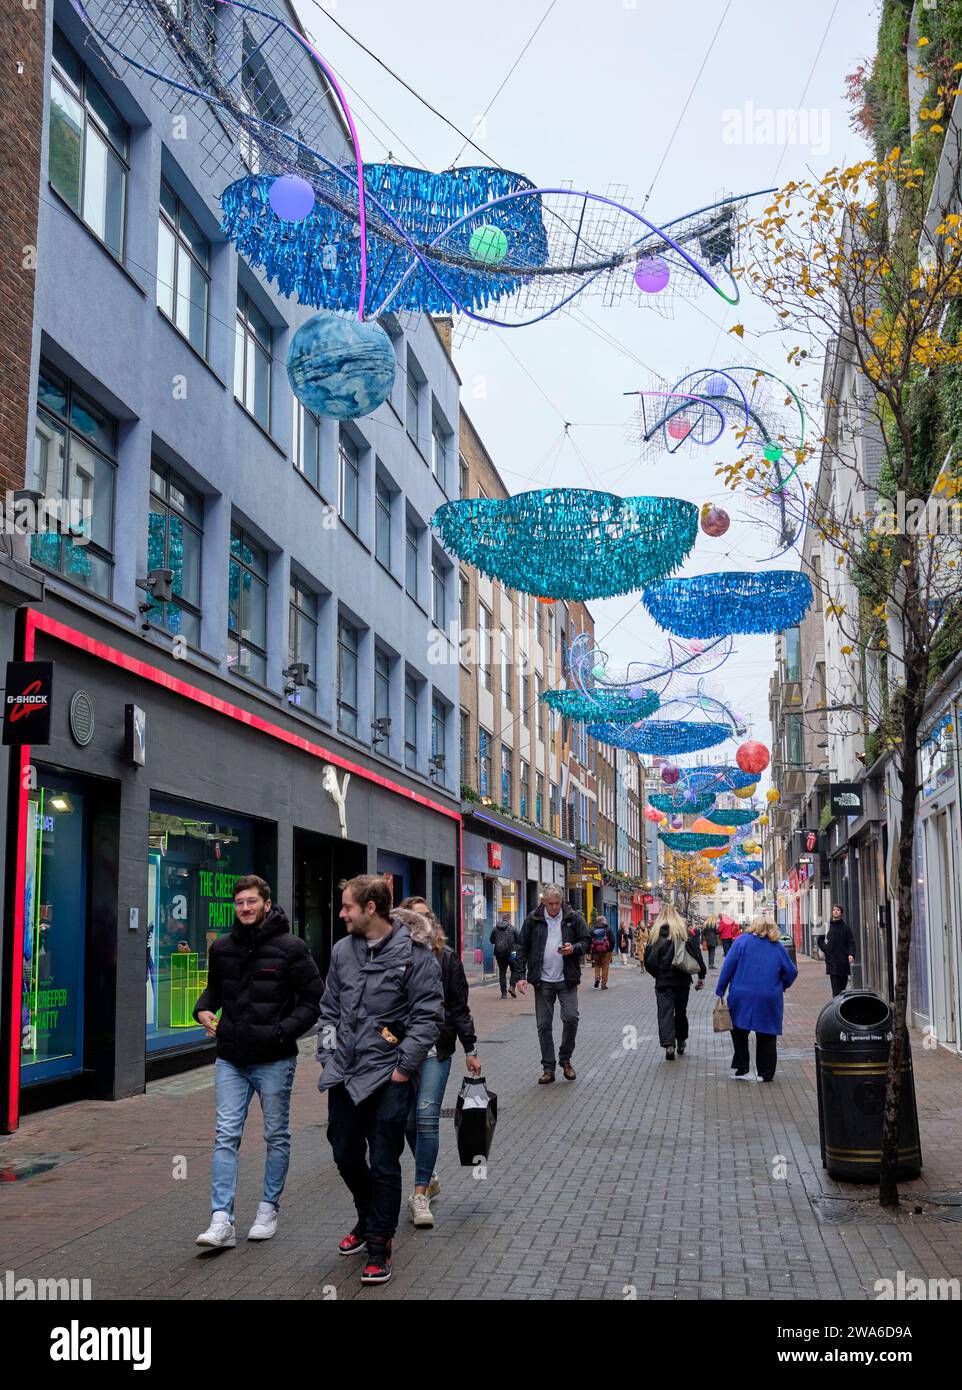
(420, 1208)
(219, 1234)
(265, 1222)
(434, 1186)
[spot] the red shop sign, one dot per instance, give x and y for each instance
(494, 855)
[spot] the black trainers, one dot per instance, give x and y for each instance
(354, 1242)
(681, 1049)
(597, 983)
(378, 1268)
(669, 1054)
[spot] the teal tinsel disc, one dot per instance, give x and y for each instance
(607, 705)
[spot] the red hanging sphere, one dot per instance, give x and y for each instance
(670, 774)
(679, 428)
(715, 521)
(752, 756)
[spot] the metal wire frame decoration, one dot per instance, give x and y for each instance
(600, 704)
(390, 238)
(589, 667)
(661, 737)
(717, 778)
(690, 841)
(569, 543)
(715, 605)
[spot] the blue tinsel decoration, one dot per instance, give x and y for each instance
(697, 806)
(608, 705)
(570, 543)
(690, 841)
(731, 817)
(717, 605)
(718, 777)
(318, 260)
(661, 737)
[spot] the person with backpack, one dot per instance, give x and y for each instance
(504, 939)
(601, 946)
(673, 958)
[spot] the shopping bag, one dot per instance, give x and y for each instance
(475, 1116)
(721, 1018)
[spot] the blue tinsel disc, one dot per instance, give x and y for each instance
(661, 737)
(717, 605)
(570, 543)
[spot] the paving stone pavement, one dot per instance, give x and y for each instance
(642, 1179)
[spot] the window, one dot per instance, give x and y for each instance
(542, 709)
(484, 636)
(410, 723)
(525, 697)
(174, 541)
(793, 654)
(539, 622)
(348, 483)
(247, 606)
(464, 610)
(413, 400)
(75, 448)
(539, 798)
(302, 642)
(260, 96)
(554, 797)
(87, 162)
(252, 360)
(439, 606)
(411, 547)
(524, 779)
(506, 777)
(462, 476)
(439, 718)
(347, 642)
(307, 444)
(382, 522)
(439, 450)
(506, 668)
(795, 743)
(382, 684)
(465, 735)
(183, 270)
(484, 762)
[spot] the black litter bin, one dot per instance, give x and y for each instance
(789, 943)
(852, 1040)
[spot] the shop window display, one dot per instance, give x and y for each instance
(195, 856)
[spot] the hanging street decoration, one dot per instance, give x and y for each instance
(688, 842)
(731, 816)
(716, 605)
(752, 756)
(571, 543)
(600, 704)
(662, 801)
(664, 737)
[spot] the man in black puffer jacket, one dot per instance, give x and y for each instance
(265, 982)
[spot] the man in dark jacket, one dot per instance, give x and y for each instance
(266, 985)
(553, 941)
(382, 1010)
(839, 951)
(504, 939)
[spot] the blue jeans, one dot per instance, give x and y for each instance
(233, 1090)
(424, 1118)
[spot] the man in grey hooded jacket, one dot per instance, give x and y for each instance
(382, 1009)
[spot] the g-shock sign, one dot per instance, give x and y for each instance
(26, 702)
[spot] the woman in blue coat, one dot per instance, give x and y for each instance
(757, 972)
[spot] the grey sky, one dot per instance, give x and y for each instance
(595, 100)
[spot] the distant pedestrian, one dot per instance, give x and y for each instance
(728, 931)
(838, 947)
(694, 934)
(710, 940)
(554, 939)
(424, 1115)
(756, 972)
(382, 1011)
(602, 945)
(641, 944)
(624, 944)
(504, 939)
(669, 943)
(264, 981)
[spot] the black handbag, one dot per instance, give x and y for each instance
(475, 1116)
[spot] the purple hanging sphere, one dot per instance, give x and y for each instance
(291, 197)
(652, 274)
(715, 386)
(677, 822)
(670, 774)
(637, 692)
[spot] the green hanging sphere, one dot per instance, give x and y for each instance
(599, 673)
(773, 453)
(488, 244)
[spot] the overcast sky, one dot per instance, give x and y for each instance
(595, 100)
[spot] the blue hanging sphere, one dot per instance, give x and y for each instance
(341, 366)
(291, 197)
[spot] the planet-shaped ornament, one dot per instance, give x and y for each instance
(291, 198)
(772, 453)
(679, 429)
(715, 386)
(677, 822)
(652, 274)
(746, 793)
(637, 692)
(342, 367)
(488, 244)
(670, 774)
(715, 521)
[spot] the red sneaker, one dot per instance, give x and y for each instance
(352, 1243)
(378, 1268)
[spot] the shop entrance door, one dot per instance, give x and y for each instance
(320, 862)
(54, 933)
(942, 920)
